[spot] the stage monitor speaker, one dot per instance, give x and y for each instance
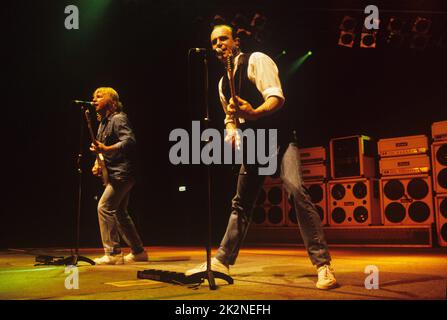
(353, 202)
(439, 130)
(353, 157)
(314, 172)
(312, 155)
(418, 164)
(439, 159)
(318, 195)
(403, 146)
(441, 219)
(269, 207)
(407, 200)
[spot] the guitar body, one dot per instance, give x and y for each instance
(103, 169)
(99, 156)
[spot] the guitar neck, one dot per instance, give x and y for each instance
(89, 125)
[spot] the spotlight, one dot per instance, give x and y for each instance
(421, 34)
(421, 25)
(368, 39)
(258, 21)
(395, 38)
(217, 20)
(347, 36)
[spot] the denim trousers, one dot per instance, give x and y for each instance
(114, 219)
(248, 187)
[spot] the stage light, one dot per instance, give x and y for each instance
(395, 37)
(421, 35)
(347, 36)
(298, 62)
(217, 20)
(368, 40)
(182, 188)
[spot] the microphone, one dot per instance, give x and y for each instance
(218, 51)
(82, 103)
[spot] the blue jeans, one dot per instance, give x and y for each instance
(248, 187)
(114, 219)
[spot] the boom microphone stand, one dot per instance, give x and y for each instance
(74, 257)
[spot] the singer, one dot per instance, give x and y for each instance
(259, 104)
(116, 141)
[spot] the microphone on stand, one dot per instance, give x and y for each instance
(82, 103)
(218, 51)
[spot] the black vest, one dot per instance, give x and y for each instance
(247, 90)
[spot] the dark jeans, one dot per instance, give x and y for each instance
(248, 187)
(114, 219)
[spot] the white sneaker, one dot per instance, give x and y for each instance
(216, 265)
(139, 257)
(109, 259)
(326, 278)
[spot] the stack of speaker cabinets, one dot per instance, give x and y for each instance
(405, 183)
(314, 174)
(353, 197)
(439, 160)
(269, 208)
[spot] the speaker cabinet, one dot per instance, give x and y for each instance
(269, 207)
(439, 130)
(314, 172)
(441, 219)
(439, 159)
(407, 200)
(312, 155)
(318, 194)
(403, 146)
(273, 179)
(353, 202)
(353, 157)
(417, 164)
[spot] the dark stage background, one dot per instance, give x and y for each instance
(140, 48)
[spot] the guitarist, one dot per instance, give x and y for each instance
(259, 103)
(116, 141)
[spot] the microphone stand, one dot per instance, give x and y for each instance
(73, 259)
(209, 274)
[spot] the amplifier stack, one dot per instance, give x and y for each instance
(405, 183)
(439, 161)
(353, 199)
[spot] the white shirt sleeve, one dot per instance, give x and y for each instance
(263, 72)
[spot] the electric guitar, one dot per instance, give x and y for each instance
(99, 156)
(229, 65)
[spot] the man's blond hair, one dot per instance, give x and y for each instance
(113, 94)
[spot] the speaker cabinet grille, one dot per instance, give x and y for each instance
(318, 194)
(407, 200)
(439, 159)
(269, 207)
(441, 219)
(353, 157)
(353, 202)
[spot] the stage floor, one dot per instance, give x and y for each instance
(260, 274)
